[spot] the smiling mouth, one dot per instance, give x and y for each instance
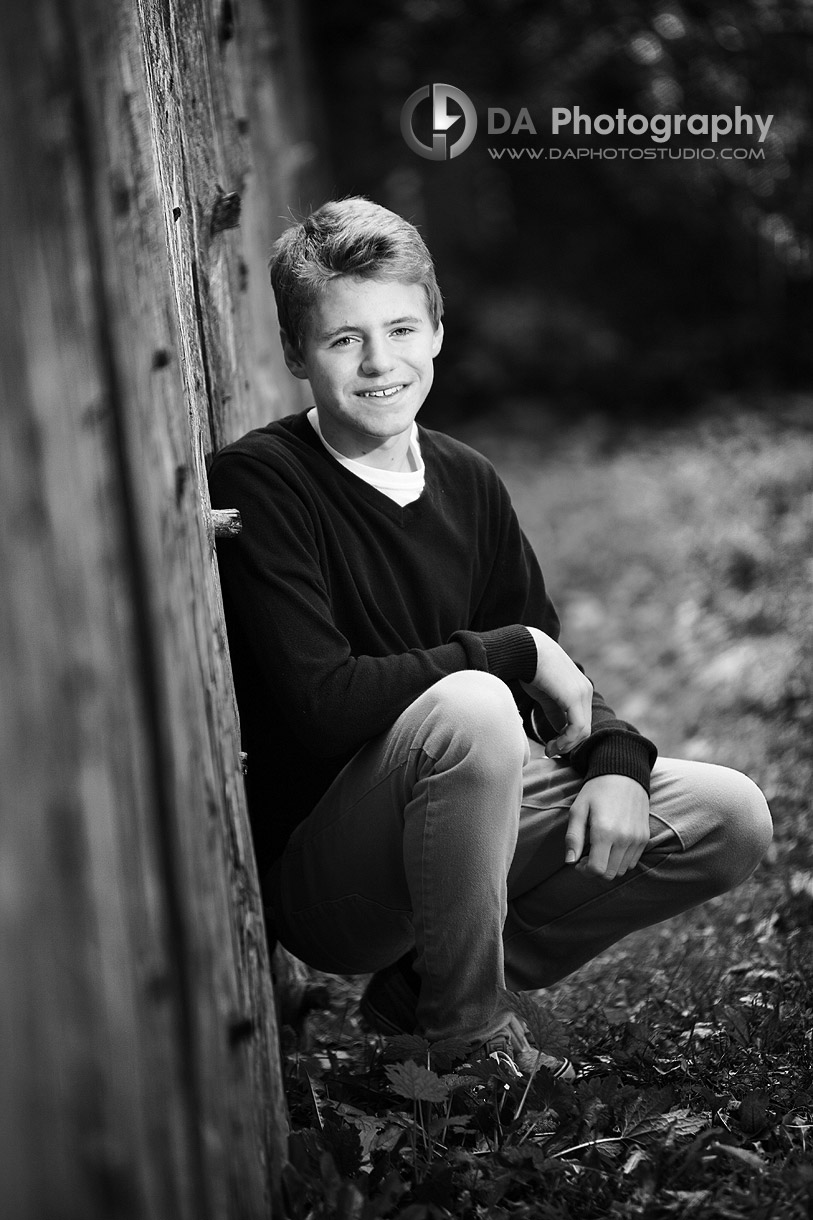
(384, 393)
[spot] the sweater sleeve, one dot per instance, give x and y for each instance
(516, 593)
(277, 597)
(614, 746)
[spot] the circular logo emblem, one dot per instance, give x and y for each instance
(441, 149)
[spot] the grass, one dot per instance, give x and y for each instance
(681, 565)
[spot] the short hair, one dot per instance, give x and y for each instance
(353, 237)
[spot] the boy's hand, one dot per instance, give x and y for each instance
(557, 678)
(615, 809)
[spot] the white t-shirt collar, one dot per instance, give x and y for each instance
(402, 486)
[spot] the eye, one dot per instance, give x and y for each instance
(404, 330)
(343, 340)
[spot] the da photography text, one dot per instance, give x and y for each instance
(439, 122)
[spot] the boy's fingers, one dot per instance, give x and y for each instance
(576, 730)
(599, 862)
(574, 837)
(573, 736)
(633, 856)
(625, 863)
(609, 860)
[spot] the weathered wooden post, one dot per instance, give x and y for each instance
(139, 1074)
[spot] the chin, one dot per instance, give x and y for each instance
(389, 425)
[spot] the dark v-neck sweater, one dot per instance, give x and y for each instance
(342, 607)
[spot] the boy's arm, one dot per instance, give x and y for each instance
(277, 597)
(608, 826)
(613, 747)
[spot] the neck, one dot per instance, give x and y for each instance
(387, 453)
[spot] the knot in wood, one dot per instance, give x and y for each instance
(226, 212)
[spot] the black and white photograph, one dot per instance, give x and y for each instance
(406, 634)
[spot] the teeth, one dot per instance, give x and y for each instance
(382, 393)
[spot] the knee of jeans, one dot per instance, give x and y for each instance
(481, 708)
(744, 828)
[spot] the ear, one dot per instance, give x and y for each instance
(293, 357)
(437, 340)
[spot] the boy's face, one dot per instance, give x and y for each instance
(368, 353)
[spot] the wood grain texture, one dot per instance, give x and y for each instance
(96, 1113)
(140, 1073)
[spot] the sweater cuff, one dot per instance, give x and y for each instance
(507, 652)
(614, 752)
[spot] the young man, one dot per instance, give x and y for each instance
(437, 793)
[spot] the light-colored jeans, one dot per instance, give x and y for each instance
(446, 835)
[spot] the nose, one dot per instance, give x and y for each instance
(377, 357)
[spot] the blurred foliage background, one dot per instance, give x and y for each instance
(631, 289)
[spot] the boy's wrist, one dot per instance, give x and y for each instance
(507, 652)
(617, 752)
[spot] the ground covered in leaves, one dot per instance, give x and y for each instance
(682, 566)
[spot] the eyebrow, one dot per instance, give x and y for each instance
(341, 330)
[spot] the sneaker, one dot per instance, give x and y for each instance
(522, 1061)
(531, 1060)
(515, 1064)
(499, 1049)
(389, 1006)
